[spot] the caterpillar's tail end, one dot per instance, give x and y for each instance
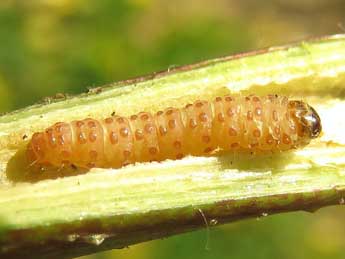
(308, 119)
(34, 150)
(30, 155)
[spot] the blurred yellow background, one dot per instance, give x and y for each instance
(63, 46)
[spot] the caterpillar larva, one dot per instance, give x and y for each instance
(252, 123)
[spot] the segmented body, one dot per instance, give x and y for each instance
(249, 123)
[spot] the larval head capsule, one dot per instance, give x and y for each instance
(308, 120)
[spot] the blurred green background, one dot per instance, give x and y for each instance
(63, 46)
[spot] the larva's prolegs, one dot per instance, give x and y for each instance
(270, 123)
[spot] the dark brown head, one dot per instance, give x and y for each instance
(308, 120)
